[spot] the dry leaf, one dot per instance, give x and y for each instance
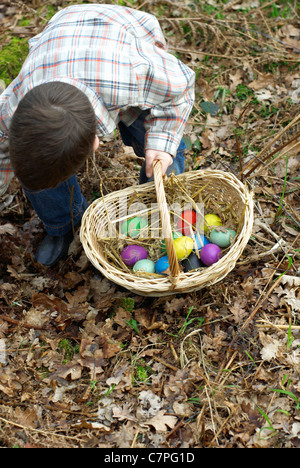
(270, 347)
(71, 369)
(263, 95)
(290, 280)
(263, 81)
(290, 298)
(3, 357)
(37, 318)
(236, 79)
(27, 418)
(123, 413)
(161, 421)
(238, 310)
(150, 404)
(8, 229)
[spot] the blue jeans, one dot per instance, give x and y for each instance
(53, 206)
(134, 136)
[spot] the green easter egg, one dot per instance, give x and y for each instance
(132, 227)
(222, 237)
(144, 266)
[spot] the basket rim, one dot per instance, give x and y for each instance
(187, 282)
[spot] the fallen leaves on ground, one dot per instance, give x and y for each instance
(85, 363)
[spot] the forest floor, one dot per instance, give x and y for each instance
(87, 363)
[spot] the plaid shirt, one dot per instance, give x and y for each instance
(117, 56)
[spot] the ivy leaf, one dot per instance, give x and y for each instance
(210, 107)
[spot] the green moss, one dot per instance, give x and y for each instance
(66, 347)
(128, 304)
(51, 10)
(12, 57)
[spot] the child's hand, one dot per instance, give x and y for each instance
(151, 155)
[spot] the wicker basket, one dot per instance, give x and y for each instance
(223, 187)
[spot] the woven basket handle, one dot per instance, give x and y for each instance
(165, 220)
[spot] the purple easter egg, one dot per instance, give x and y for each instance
(132, 254)
(210, 253)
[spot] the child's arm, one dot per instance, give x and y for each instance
(165, 87)
(6, 173)
(151, 155)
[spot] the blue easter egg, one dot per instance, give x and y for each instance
(162, 265)
(200, 241)
(144, 266)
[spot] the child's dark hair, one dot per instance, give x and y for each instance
(52, 133)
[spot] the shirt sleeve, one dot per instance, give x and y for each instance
(6, 172)
(166, 88)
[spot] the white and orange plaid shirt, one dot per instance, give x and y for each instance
(118, 57)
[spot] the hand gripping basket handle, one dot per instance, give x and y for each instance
(165, 220)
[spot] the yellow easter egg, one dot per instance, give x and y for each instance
(183, 246)
(211, 221)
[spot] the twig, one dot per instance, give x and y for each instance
(134, 439)
(264, 323)
(224, 424)
(268, 156)
(165, 363)
(237, 140)
(39, 431)
(17, 322)
(174, 351)
(249, 164)
(181, 422)
(211, 413)
(182, 353)
(256, 257)
(259, 304)
(287, 150)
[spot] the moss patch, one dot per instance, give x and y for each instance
(12, 57)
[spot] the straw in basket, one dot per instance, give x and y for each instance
(221, 190)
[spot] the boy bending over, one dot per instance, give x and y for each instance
(92, 69)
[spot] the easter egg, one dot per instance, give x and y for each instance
(186, 222)
(191, 263)
(200, 241)
(183, 246)
(211, 221)
(144, 266)
(175, 234)
(133, 226)
(162, 265)
(222, 237)
(210, 254)
(132, 254)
